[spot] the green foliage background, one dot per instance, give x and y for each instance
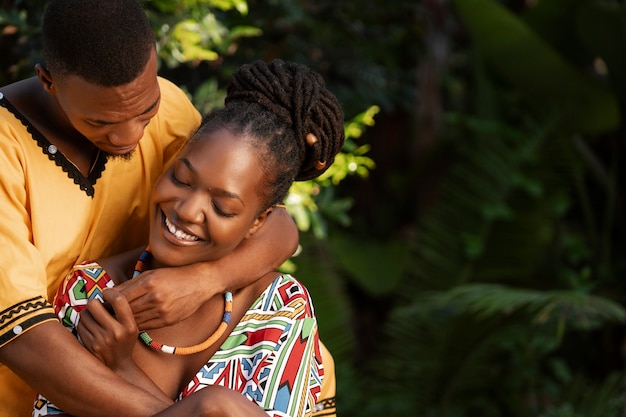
(465, 254)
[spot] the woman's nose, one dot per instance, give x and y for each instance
(191, 209)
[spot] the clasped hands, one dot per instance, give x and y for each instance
(157, 298)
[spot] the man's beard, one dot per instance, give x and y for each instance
(125, 157)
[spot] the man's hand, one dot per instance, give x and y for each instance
(164, 296)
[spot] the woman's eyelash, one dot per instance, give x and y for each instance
(222, 213)
(175, 180)
(217, 209)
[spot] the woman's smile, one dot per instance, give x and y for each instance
(207, 201)
(173, 231)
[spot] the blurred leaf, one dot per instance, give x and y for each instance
(555, 22)
(240, 5)
(193, 38)
(355, 127)
(189, 31)
(208, 96)
(375, 266)
(526, 62)
(237, 32)
(577, 309)
(180, 6)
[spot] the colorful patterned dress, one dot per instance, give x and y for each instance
(272, 356)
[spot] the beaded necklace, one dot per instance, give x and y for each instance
(188, 350)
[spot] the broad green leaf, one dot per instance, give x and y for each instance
(549, 83)
(375, 266)
(555, 22)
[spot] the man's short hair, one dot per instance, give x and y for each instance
(105, 42)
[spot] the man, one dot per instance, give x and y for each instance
(81, 145)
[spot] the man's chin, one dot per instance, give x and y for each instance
(123, 156)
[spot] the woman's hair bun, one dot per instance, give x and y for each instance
(298, 96)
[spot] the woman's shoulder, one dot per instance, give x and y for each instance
(286, 293)
(88, 271)
(85, 282)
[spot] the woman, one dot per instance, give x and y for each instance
(279, 124)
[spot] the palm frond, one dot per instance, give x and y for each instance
(570, 307)
(467, 337)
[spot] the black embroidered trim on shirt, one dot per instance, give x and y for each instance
(37, 305)
(325, 407)
(85, 183)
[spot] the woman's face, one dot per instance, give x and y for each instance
(206, 202)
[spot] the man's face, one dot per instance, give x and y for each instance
(112, 118)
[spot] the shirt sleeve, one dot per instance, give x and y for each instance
(23, 284)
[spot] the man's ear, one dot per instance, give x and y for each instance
(45, 78)
(258, 222)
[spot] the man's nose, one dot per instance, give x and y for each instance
(127, 134)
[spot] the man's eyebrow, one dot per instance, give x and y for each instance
(215, 190)
(152, 106)
(146, 111)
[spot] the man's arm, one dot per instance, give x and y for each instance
(167, 295)
(52, 361)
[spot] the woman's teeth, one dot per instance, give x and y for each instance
(179, 233)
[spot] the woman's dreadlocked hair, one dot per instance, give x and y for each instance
(287, 113)
(300, 99)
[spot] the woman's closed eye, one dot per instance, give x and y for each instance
(176, 180)
(221, 212)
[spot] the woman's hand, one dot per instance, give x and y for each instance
(110, 333)
(109, 330)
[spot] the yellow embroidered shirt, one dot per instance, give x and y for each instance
(52, 217)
